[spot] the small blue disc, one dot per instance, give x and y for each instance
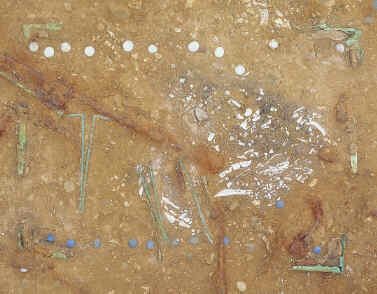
(317, 250)
(97, 243)
(150, 244)
(70, 243)
(226, 241)
(50, 238)
(279, 204)
(132, 243)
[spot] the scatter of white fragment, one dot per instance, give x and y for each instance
(242, 164)
(233, 192)
(318, 127)
(266, 125)
(219, 52)
(141, 191)
(225, 172)
(65, 47)
(33, 47)
(235, 103)
(240, 70)
(211, 136)
(340, 48)
(170, 218)
(281, 22)
(239, 116)
(273, 44)
(256, 116)
(152, 49)
(235, 166)
(296, 112)
(183, 220)
(217, 148)
(248, 112)
(256, 202)
(49, 52)
(244, 125)
(273, 170)
(128, 46)
(264, 15)
(89, 51)
(241, 286)
(200, 114)
(23, 270)
(167, 201)
(193, 46)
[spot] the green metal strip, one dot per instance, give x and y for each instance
(59, 255)
(82, 159)
(20, 238)
(85, 154)
(17, 84)
(21, 149)
(154, 210)
(52, 26)
(323, 268)
(317, 268)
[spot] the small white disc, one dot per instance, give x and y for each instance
(340, 48)
(240, 70)
(49, 52)
(193, 46)
(273, 44)
(219, 52)
(152, 49)
(128, 45)
(33, 47)
(89, 51)
(65, 47)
